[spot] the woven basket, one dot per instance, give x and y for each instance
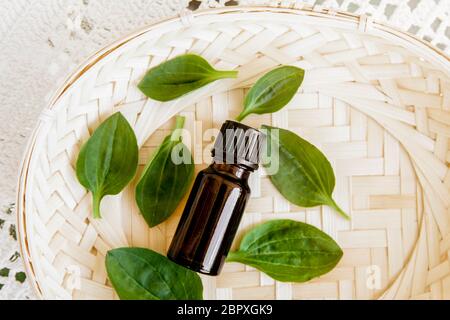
(374, 99)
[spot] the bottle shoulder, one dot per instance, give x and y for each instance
(224, 177)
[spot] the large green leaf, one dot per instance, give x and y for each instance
(272, 91)
(304, 176)
(142, 274)
(288, 250)
(165, 182)
(179, 76)
(108, 160)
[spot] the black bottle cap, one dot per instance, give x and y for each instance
(238, 144)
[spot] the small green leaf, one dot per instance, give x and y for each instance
(20, 277)
(13, 232)
(179, 76)
(4, 272)
(288, 250)
(142, 274)
(305, 176)
(108, 160)
(2, 223)
(273, 91)
(1, 286)
(164, 182)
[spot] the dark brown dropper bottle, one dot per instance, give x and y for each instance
(217, 201)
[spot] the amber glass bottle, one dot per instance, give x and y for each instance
(217, 201)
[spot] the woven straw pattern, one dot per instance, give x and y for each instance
(426, 19)
(374, 101)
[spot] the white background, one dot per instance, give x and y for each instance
(42, 41)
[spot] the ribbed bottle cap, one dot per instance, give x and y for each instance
(238, 144)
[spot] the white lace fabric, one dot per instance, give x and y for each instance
(427, 19)
(43, 41)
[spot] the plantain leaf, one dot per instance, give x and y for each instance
(288, 250)
(164, 182)
(108, 160)
(142, 274)
(304, 176)
(273, 91)
(179, 76)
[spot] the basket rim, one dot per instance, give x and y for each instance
(439, 55)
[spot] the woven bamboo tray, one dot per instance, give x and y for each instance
(374, 99)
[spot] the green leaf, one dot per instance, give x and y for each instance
(13, 232)
(20, 277)
(142, 274)
(108, 160)
(4, 272)
(179, 76)
(304, 176)
(273, 91)
(288, 250)
(164, 182)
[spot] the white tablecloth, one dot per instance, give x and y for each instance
(41, 41)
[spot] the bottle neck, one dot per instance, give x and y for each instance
(235, 170)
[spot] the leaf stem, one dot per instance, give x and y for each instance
(335, 206)
(96, 206)
(179, 125)
(227, 74)
(232, 256)
(241, 116)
